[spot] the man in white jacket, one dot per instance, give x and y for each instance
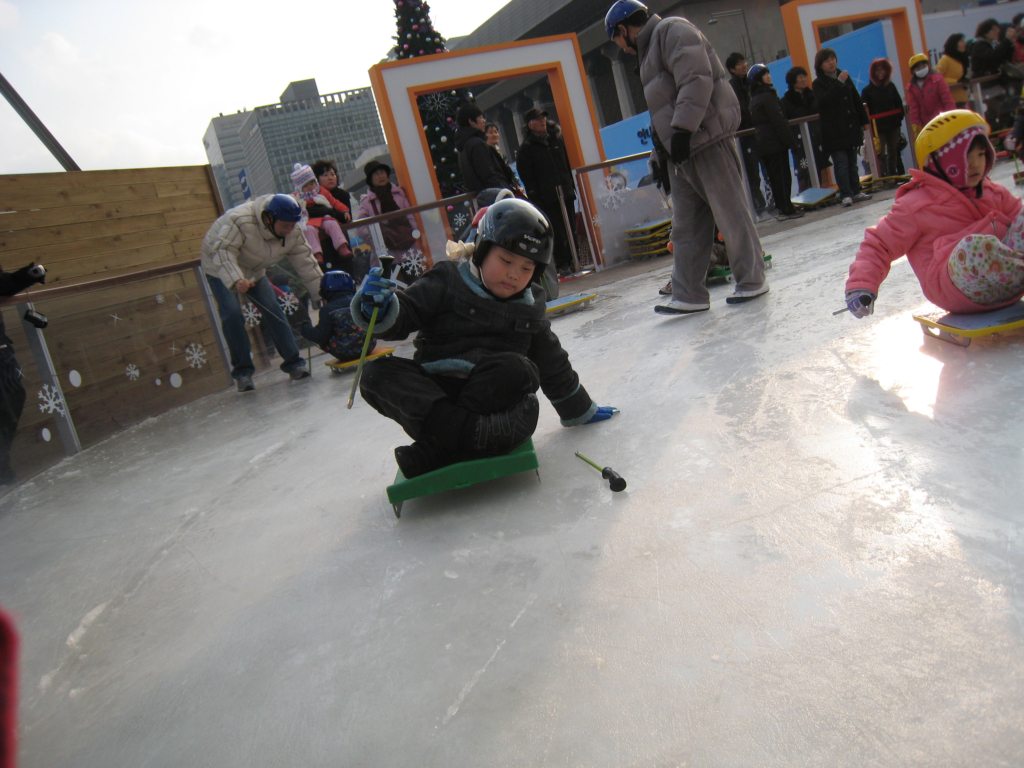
(695, 114)
(236, 253)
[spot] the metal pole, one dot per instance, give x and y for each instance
(812, 163)
(568, 229)
(48, 377)
(33, 122)
(213, 316)
(588, 222)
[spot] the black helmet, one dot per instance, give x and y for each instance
(516, 226)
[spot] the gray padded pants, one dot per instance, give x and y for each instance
(706, 189)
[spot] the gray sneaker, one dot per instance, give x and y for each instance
(860, 197)
(299, 374)
(245, 384)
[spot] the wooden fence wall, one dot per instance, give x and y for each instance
(122, 353)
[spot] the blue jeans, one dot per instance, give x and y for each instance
(844, 161)
(230, 311)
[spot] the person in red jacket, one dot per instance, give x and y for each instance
(321, 207)
(962, 233)
(928, 93)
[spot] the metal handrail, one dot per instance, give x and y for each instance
(444, 202)
(89, 286)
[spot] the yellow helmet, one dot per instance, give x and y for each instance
(919, 58)
(943, 127)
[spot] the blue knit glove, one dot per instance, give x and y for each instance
(604, 412)
(376, 291)
(861, 303)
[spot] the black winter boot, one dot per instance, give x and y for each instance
(496, 434)
(419, 458)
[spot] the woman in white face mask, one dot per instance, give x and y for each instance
(928, 93)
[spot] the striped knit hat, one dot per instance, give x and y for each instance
(951, 157)
(301, 176)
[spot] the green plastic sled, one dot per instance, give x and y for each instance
(462, 475)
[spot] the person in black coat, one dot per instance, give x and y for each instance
(736, 63)
(481, 165)
(544, 167)
(881, 96)
(774, 139)
(799, 101)
(843, 120)
(12, 391)
(989, 53)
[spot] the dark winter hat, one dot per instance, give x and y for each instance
(534, 113)
(371, 167)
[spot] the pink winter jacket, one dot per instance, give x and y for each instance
(926, 222)
(928, 99)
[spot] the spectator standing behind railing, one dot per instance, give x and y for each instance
(382, 196)
(881, 97)
(798, 102)
(989, 53)
(953, 66)
(774, 139)
(481, 165)
(927, 93)
(543, 165)
(843, 120)
(736, 63)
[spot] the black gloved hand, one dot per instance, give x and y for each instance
(33, 273)
(681, 146)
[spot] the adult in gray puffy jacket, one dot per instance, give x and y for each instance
(695, 114)
(236, 253)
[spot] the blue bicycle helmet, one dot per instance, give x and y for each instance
(755, 72)
(336, 280)
(284, 208)
(619, 12)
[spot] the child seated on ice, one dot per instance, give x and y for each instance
(962, 233)
(483, 349)
(336, 333)
(319, 206)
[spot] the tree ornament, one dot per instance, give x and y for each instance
(405, 47)
(421, 51)
(444, 139)
(450, 208)
(415, 27)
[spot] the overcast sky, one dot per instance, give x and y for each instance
(134, 83)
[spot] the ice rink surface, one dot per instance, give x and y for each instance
(818, 560)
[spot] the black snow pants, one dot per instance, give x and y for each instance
(402, 390)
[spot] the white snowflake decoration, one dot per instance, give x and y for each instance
(414, 262)
(460, 220)
(252, 315)
(195, 355)
(289, 303)
(438, 104)
(596, 221)
(132, 371)
(613, 196)
(53, 402)
(159, 298)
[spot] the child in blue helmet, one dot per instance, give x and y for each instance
(336, 333)
(484, 348)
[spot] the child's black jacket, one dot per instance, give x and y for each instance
(459, 323)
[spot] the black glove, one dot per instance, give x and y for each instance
(32, 274)
(681, 146)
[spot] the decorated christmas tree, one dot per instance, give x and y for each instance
(417, 37)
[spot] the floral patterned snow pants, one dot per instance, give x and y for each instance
(988, 271)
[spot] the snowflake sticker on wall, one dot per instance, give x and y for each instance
(53, 401)
(289, 303)
(132, 371)
(414, 262)
(159, 298)
(614, 194)
(195, 355)
(252, 315)
(460, 219)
